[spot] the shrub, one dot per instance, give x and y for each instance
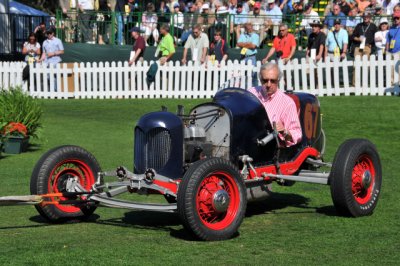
(18, 110)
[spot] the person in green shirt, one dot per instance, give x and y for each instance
(166, 46)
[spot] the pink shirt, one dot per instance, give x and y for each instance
(281, 107)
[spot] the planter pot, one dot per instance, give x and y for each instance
(15, 145)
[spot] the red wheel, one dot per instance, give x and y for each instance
(70, 168)
(212, 199)
(356, 178)
(218, 200)
(363, 179)
(51, 175)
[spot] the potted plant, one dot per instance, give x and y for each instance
(20, 116)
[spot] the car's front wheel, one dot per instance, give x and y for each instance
(212, 199)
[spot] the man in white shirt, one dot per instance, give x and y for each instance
(198, 43)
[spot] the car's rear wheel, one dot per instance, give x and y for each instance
(212, 199)
(356, 178)
(51, 175)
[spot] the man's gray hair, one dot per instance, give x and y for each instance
(284, 25)
(271, 65)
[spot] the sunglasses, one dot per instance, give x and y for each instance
(396, 18)
(272, 81)
(217, 34)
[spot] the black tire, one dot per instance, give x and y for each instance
(356, 178)
(50, 174)
(201, 213)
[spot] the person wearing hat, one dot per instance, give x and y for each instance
(364, 36)
(393, 36)
(273, 12)
(138, 48)
(337, 42)
(316, 42)
(178, 21)
(257, 18)
(380, 36)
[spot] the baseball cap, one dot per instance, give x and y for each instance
(176, 4)
(317, 23)
(337, 21)
(383, 20)
(257, 5)
(189, 4)
(271, 1)
(205, 6)
(239, 5)
(135, 29)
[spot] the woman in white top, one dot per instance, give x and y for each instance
(31, 49)
(149, 23)
(380, 36)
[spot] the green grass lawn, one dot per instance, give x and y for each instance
(297, 225)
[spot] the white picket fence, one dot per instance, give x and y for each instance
(376, 76)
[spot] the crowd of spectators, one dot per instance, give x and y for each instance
(347, 28)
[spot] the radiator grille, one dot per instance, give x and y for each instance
(152, 149)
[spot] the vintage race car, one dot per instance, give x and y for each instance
(208, 164)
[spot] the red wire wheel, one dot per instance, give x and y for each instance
(356, 178)
(70, 168)
(363, 179)
(51, 174)
(212, 199)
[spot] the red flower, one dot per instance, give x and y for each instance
(15, 129)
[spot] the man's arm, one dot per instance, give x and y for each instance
(270, 53)
(184, 55)
(137, 52)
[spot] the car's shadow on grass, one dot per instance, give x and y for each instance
(279, 201)
(170, 222)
